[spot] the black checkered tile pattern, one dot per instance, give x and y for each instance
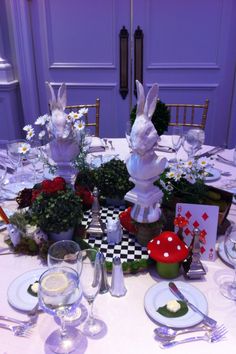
(128, 249)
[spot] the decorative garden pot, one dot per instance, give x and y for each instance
(63, 152)
(63, 235)
(168, 270)
(146, 232)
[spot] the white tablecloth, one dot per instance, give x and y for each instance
(129, 329)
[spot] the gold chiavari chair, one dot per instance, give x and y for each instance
(87, 115)
(188, 115)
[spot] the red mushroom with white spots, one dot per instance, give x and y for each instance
(168, 251)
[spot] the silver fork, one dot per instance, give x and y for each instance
(215, 336)
(19, 330)
(33, 317)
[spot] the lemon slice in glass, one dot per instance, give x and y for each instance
(55, 282)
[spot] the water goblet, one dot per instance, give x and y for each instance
(58, 294)
(228, 288)
(90, 279)
(67, 253)
(177, 138)
(193, 141)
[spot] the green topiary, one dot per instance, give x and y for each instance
(160, 118)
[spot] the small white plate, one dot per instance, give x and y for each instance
(17, 293)
(159, 294)
(222, 254)
(215, 174)
(15, 188)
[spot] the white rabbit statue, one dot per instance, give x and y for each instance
(64, 146)
(143, 164)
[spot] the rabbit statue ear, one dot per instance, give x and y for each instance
(140, 98)
(52, 100)
(151, 101)
(61, 96)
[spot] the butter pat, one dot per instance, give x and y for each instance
(35, 287)
(173, 306)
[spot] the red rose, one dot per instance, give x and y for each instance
(59, 183)
(126, 221)
(35, 194)
(86, 196)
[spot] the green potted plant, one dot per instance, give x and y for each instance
(111, 178)
(54, 207)
(160, 118)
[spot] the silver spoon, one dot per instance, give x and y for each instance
(166, 333)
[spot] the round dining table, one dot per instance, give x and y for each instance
(128, 328)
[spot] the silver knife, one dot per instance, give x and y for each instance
(207, 320)
(211, 152)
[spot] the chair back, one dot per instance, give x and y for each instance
(88, 122)
(188, 115)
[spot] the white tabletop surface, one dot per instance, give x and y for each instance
(129, 329)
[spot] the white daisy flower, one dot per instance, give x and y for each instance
(30, 134)
(189, 163)
(79, 124)
(170, 174)
(23, 148)
(27, 127)
(42, 120)
(83, 111)
(41, 134)
(203, 162)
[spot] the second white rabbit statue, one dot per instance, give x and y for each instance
(143, 164)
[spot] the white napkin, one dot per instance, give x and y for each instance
(97, 145)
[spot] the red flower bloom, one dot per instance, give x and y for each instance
(84, 193)
(126, 221)
(180, 221)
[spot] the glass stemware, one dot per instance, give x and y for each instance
(16, 158)
(177, 137)
(67, 253)
(58, 294)
(3, 172)
(90, 279)
(228, 288)
(193, 141)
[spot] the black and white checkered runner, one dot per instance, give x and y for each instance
(128, 249)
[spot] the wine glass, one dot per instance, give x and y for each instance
(59, 294)
(177, 137)
(228, 288)
(90, 279)
(3, 172)
(16, 159)
(127, 133)
(193, 141)
(67, 253)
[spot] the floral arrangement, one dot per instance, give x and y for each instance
(74, 121)
(52, 206)
(185, 179)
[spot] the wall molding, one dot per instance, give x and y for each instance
(69, 65)
(184, 66)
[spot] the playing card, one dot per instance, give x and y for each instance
(205, 218)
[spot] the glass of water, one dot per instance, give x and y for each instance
(59, 294)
